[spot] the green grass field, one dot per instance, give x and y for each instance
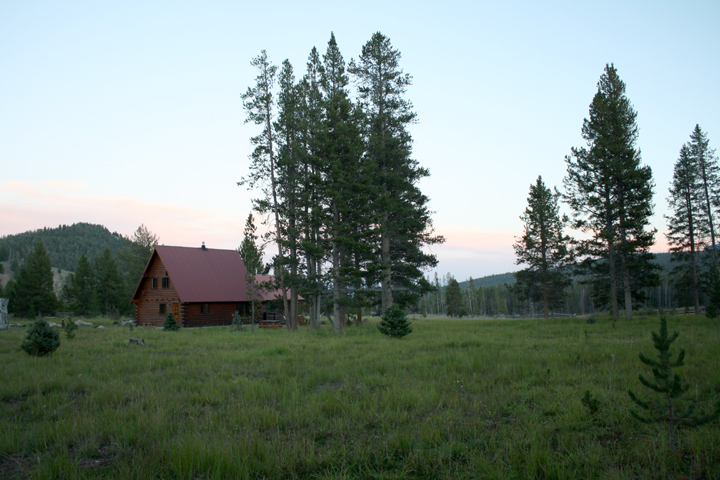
(454, 399)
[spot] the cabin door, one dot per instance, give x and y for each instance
(176, 312)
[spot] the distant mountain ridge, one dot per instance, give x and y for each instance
(65, 244)
(662, 259)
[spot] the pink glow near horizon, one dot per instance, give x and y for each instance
(28, 207)
(468, 250)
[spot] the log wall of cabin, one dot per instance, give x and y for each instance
(219, 314)
(147, 306)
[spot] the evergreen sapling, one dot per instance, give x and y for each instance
(41, 340)
(170, 323)
(70, 328)
(237, 324)
(668, 384)
(394, 323)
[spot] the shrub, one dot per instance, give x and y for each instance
(41, 340)
(394, 323)
(170, 323)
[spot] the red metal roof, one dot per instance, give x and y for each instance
(209, 275)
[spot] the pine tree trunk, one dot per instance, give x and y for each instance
(693, 260)
(613, 281)
(628, 293)
(625, 270)
(338, 308)
(273, 186)
(387, 299)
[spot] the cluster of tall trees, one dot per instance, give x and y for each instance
(609, 193)
(104, 285)
(337, 181)
(695, 200)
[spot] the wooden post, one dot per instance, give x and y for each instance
(4, 324)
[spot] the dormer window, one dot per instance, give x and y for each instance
(165, 282)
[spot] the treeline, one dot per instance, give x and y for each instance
(102, 286)
(65, 244)
(498, 295)
(337, 181)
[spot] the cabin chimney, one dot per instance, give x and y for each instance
(203, 246)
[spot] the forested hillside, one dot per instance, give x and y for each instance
(490, 280)
(106, 269)
(65, 244)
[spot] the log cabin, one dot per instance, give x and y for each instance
(200, 286)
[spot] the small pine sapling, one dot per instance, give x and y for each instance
(170, 323)
(237, 324)
(41, 340)
(590, 402)
(394, 323)
(669, 386)
(69, 328)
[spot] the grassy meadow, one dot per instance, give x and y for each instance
(468, 398)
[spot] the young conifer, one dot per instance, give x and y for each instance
(669, 385)
(394, 322)
(41, 340)
(170, 323)
(544, 248)
(70, 328)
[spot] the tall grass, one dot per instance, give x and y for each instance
(455, 399)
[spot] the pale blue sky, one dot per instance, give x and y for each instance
(130, 112)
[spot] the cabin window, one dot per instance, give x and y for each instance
(165, 282)
(205, 308)
(154, 282)
(162, 309)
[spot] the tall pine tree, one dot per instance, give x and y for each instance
(709, 181)
(610, 194)
(288, 128)
(688, 228)
(709, 194)
(347, 180)
(79, 291)
(544, 248)
(313, 245)
(454, 299)
(33, 291)
(405, 223)
(108, 284)
(259, 103)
